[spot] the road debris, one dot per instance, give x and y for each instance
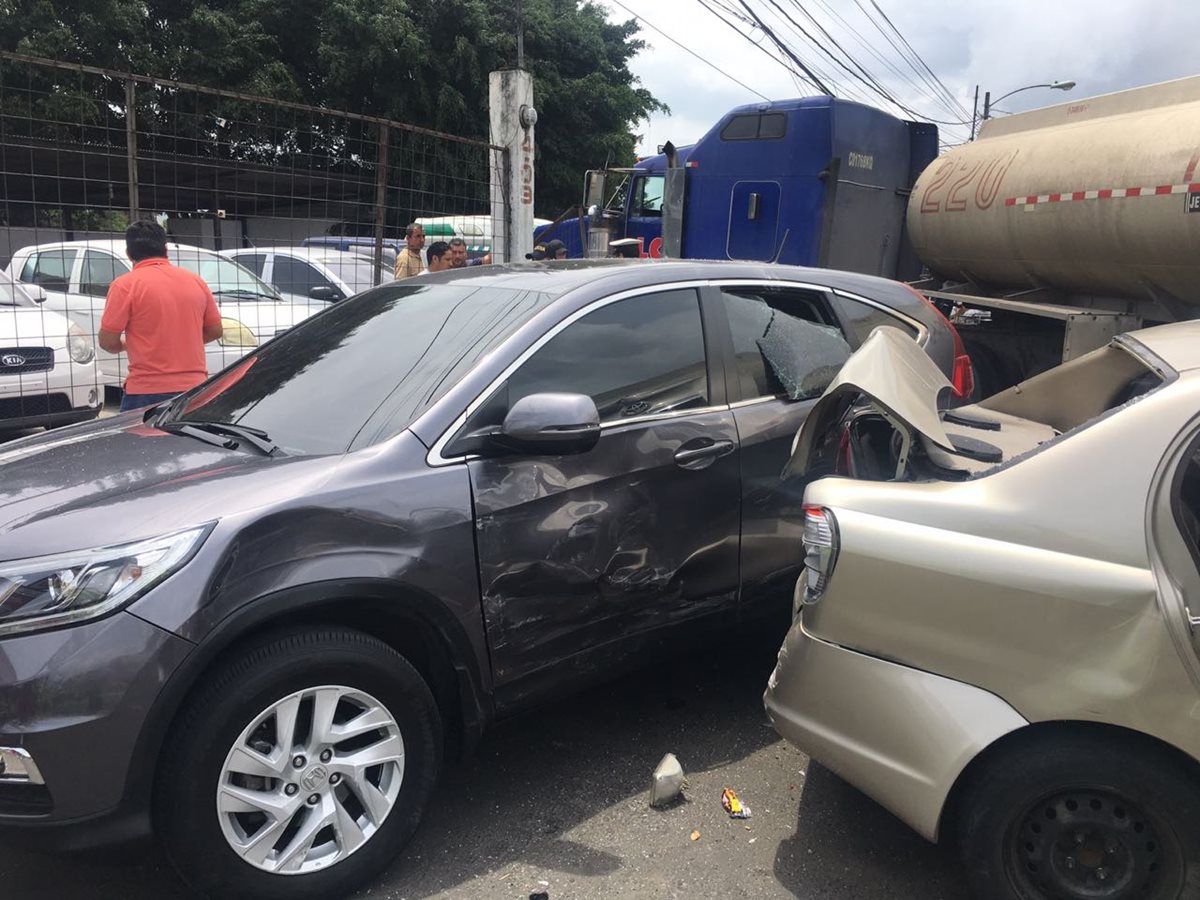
(540, 895)
(667, 782)
(733, 805)
(695, 835)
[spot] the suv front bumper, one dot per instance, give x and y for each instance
(75, 702)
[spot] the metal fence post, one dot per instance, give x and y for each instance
(381, 199)
(131, 146)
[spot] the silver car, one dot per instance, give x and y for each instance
(311, 276)
(996, 627)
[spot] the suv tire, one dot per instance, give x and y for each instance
(225, 746)
(1075, 817)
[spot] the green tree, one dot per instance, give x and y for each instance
(422, 63)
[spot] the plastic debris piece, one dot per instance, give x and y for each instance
(667, 782)
(733, 805)
(695, 835)
(540, 895)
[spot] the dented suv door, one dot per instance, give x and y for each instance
(584, 558)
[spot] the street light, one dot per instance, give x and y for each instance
(1054, 86)
(988, 104)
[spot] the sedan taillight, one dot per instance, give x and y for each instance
(820, 553)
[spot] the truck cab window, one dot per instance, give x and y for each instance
(755, 127)
(785, 341)
(648, 196)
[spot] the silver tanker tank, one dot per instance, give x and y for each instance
(1099, 198)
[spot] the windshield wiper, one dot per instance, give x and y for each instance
(235, 434)
(242, 292)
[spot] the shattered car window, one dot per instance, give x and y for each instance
(783, 352)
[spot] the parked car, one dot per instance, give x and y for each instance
(360, 246)
(75, 276)
(997, 636)
(47, 365)
(310, 276)
(267, 606)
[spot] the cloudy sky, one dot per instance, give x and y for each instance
(1103, 45)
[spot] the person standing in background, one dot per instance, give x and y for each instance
(167, 315)
(458, 255)
(439, 258)
(408, 260)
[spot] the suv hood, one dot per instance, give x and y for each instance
(118, 479)
(32, 327)
(891, 374)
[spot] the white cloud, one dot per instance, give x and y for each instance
(999, 44)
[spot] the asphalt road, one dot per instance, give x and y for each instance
(556, 801)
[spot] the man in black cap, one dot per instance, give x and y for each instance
(555, 249)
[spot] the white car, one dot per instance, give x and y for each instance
(47, 364)
(310, 276)
(75, 276)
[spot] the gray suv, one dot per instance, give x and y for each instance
(259, 615)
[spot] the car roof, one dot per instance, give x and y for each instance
(320, 254)
(113, 246)
(612, 275)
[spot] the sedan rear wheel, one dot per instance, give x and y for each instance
(1083, 819)
(300, 770)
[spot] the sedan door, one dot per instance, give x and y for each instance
(586, 560)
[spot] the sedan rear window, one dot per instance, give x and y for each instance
(394, 350)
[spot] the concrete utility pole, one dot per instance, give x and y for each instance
(510, 96)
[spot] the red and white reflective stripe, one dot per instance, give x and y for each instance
(1104, 194)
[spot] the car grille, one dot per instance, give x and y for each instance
(14, 360)
(42, 405)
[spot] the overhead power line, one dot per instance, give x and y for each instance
(807, 48)
(683, 46)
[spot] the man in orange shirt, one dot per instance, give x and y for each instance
(167, 314)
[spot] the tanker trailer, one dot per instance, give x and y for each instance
(1061, 227)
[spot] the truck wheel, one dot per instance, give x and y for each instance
(1079, 819)
(300, 769)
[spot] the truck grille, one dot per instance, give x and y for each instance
(15, 360)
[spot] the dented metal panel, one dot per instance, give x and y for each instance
(581, 555)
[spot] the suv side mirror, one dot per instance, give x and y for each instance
(550, 423)
(325, 292)
(35, 291)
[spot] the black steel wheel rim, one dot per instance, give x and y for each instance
(1090, 844)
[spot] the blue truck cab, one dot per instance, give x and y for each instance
(816, 181)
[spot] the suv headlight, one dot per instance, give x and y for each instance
(79, 345)
(235, 334)
(66, 588)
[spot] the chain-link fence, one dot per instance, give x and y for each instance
(280, 207)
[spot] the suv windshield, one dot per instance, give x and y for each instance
(383, 357)
(225, 278)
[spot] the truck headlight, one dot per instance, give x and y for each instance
(235, 334)
(66, 588)
(80, 346)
